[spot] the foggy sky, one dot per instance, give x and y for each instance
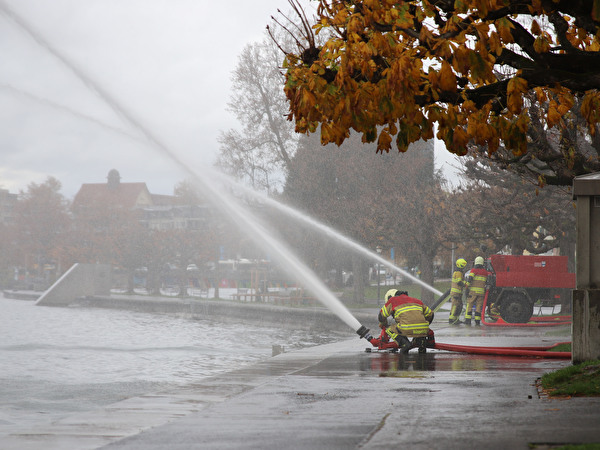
(169, 62)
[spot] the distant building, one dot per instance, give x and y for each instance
(7, 206)
(175, 217)
(155, 212)
(113, 193)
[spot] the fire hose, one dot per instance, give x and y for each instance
(382, 343)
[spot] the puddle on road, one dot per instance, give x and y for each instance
(386, 364)
(415, 365)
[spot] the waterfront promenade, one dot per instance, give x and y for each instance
(337, 396)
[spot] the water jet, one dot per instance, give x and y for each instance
(330, 232)
(243, 217)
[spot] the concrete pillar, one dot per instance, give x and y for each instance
(586, 296)
(586, 333)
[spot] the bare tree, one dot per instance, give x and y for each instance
(260, 153)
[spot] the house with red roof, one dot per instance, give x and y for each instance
(113, 194)
(154, 211)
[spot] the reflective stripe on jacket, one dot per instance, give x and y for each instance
(457, 283)
(476, 280)
(411, 315)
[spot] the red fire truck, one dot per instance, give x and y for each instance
(518, 283)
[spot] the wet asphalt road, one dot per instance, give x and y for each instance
(338, 396)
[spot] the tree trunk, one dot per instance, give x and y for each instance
(130, 281)
(217, 273)
(182, 282)
(217, 281)
(359, 282)
(153, 280)
(426, 265)
(339, 275)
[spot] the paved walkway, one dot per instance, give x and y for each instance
(338, 396)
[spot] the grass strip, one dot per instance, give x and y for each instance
(581, 380)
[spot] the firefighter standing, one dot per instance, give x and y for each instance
(476, 280)
(412, 319)
(456, 291)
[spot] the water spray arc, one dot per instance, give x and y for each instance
(95, 87)
(66, 110)
(243, 217)
(330, 232)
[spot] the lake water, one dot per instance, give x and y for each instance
(59, 361)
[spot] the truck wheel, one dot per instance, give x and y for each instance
(516, 308)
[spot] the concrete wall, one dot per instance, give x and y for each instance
(79, 281)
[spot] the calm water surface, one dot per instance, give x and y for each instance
(59, 361)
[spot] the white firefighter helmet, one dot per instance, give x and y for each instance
(479, 261)
(391, 293)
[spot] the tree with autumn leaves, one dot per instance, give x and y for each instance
(40, 227)
(394, 71)
(553, 155)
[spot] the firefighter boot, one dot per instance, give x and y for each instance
(477, 322)
(403, 343)
(454, 318)
(468, 321)
(422, 344)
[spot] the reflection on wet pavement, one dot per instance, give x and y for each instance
(416, 365)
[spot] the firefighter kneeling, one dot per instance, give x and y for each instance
(412, 319)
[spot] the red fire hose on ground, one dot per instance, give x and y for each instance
(382, 343)
(539, 352)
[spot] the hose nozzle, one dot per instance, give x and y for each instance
(363, 332)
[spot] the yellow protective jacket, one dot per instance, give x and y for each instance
(411, 314)
(476, 281)
(456, 288)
